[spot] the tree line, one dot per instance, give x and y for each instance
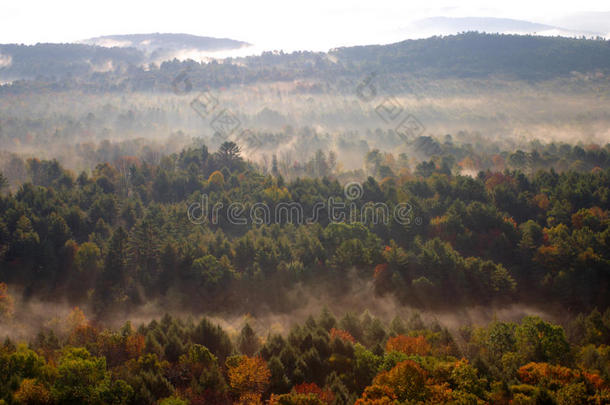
(323, 360)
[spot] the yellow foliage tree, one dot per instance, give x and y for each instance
(247, 375)
(217, 179)
(405, 383)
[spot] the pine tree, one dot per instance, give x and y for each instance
(3, 182)
(274, 169)
(111, 283)
(248, 343)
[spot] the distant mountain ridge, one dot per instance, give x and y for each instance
(471, 54)
(474, 54)
(105, 54)
(454, 25)
(165, 41)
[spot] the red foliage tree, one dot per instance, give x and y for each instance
(342, 334)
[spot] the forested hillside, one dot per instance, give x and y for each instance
(465, 55)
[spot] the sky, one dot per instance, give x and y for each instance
(312, 25)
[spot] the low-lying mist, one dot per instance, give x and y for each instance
(356, 296)
(299, 118)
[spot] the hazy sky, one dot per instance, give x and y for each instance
(314, 24)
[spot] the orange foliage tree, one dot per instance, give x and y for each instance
(247, 375)
(6, 303)
(409, 345)
(377, 395)
(546, 374)
(294, 399)
(249, 398)
(342, 334)
(80, 330)
(404, 383)
(325, 396)
(134, 345)
(33, 392)
(495, 179)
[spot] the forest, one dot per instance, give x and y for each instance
(324, 360)
(424, 222)
(465, 55)
(121, 236)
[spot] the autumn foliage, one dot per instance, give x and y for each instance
(326, 396)
(405, 382)
(6, 302)
(409, 345)
(33, 392)
(342, 334)
(546, 374)
(248, 375)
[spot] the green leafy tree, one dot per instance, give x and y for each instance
(541, 341)
(81, 378)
